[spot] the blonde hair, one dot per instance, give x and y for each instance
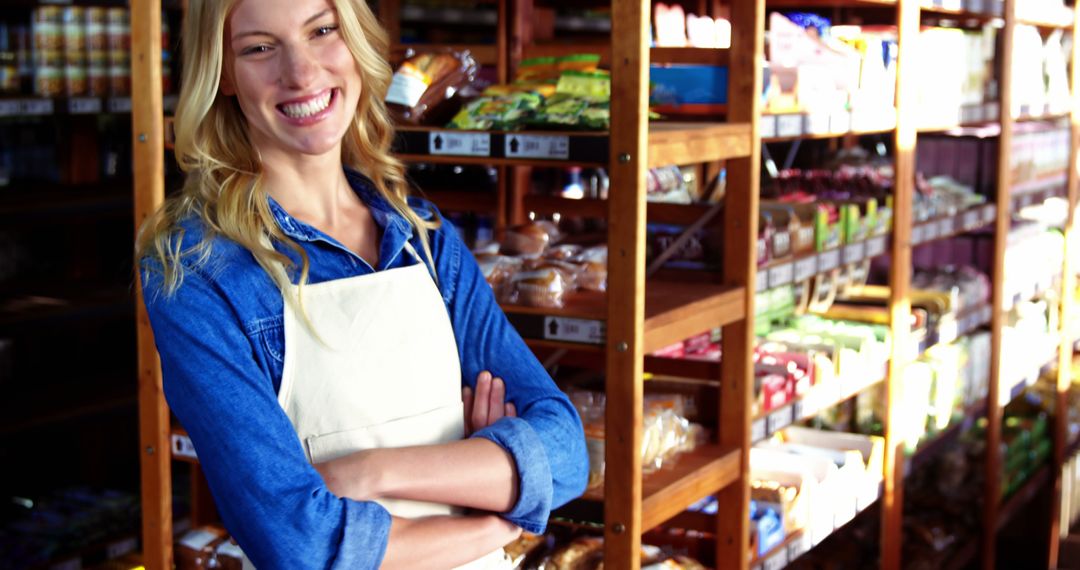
(222, 186)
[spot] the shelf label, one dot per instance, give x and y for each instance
(768, 126)
(777, 561)
(538, 146)
(989, 213)
(9, 108)
(854, 252)
(797, 410)
(930, 231)
(780, 419)
(805, 268)
(970, 219)
(84, 105)
(459, 144)
(947, 226)
(817, 124)
(918, 234)
(182, 446)
(762, 282)
(789, 125)
(798, 547)
(875, 246)
(573, 330)
(781, 275)
(120, 547)
(119, 105)
(828, 260)
(36, 107)
(757, 430)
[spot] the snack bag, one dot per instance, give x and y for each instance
(428, 81)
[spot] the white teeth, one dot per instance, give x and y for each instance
(307, 108)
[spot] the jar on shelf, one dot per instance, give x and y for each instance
(118, 29)
(75, 80)
(48, 81)
(97, 80)
(119, 81)
(74, 35)
(97, 37)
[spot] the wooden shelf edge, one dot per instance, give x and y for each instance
(701, 308)
(710, 477)
(944, 439)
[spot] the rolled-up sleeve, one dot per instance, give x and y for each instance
(546, 440)
(270, 498)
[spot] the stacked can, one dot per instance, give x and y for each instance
(48, 51)
(118, 39)
(97, 50)
(75, 54)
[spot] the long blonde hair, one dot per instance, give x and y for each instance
(222, 186)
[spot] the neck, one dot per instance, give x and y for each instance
(311, 188)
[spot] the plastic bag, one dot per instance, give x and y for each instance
(427, 81)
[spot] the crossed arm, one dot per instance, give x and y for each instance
(484, 477)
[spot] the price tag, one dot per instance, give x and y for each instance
(875, 246)
(757, 430)
(930, 231)
(797, 411)
(120, 105)
(182, 446)
(37, 107)
(768, 126)
(459, 144)
(574, 330)
(762, 282)
(789, 125)
(84, 105)
(989, 213)
(817, 124)
(781, 275)
(780, 419)
(777, 561)
(947, 226)
(9, 108)
(828, 260)
(538, 146)
(120, 547)
(918, 234)
(798, 547)
(805, 268)
(970, 219)
(854, 252)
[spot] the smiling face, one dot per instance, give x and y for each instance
(292, 74)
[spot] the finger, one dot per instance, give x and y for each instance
(467, 404)
(511, 410)
(481, 401)
(495, 405)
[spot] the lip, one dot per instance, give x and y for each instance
(334, 96)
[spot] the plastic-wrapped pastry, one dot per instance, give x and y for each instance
(585, 553)
(529, 240)
(426, 81)
(593, 276)
(545, 288)
(499, 271)
(524, 552)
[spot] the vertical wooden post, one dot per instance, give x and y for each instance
(390, 16)
(1068, 306)
(149, 159)
(626, 282)
(994, 409)
(740, 269)
(892, 512)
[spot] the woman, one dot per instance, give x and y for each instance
(316, 328)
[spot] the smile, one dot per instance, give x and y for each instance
(308, 108)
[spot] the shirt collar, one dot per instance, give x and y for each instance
(396, 229)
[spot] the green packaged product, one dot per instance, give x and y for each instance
(498, 112)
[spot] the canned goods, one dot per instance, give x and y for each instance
(75, 83)
(119, 81)
(48, 36)
(119, 57)
(98, 59)
(97, 38)
(9, 72)
(48, 58)
(48, 15)
(118, 29)
(48, 81)
(74, 34)
(97, 81)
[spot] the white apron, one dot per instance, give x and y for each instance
(383, 372)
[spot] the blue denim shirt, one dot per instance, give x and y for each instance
(222, 343)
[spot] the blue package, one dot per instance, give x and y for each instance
(685, 84)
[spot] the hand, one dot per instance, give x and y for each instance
(488, 405)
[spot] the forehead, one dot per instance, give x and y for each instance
(272, 15)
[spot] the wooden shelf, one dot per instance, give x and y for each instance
(679, 214)
(945, 227)
(659, 55)
(804, 4)
(785, 127)
(1023, 496)
(22, 202)
(945, 439)
(1037, 191)
(964, 15)
(673, 312)
(693, 475)
(669, 143)
(804, 267)
(65, 106)
(818, 398)
(463, 200)
(1066, 25)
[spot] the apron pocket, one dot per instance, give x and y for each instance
(440, 425)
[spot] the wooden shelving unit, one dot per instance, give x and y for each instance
(638, 314)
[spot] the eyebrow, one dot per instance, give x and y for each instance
(261, 33)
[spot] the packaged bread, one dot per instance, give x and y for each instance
(427, 81)
(498, 271)
(526, 551)
(544, 288)
(529, 240)
(593, 262)
(195, 549)
(585, 553)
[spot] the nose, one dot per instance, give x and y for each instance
(298, 67)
